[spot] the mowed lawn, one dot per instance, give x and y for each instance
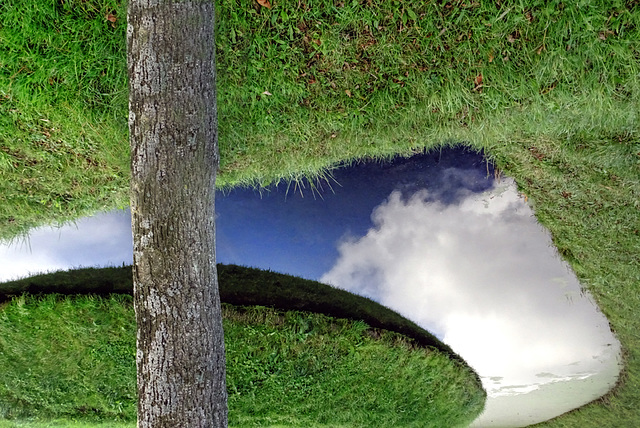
(549, 90)
(69, 361)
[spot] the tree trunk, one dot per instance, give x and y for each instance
(174, 159)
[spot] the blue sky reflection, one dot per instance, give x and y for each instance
(435, 237)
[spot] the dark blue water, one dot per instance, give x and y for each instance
(295, 228)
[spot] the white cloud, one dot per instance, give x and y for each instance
(483, 276)
(104, 239)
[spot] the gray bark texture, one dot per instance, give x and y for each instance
(174, 160)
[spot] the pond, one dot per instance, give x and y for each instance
(438, 237)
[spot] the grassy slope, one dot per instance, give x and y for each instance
(557, 111)
(239, 286)
(363, 79)
(73, 358)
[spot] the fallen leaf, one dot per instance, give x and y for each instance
(264, 3)
(478, 82)
(537, 154)
(266, 93)
(348, 92)
(602, 35)
(529, 16)
(111, 18)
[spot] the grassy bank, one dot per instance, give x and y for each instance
(346, 80)
(73, 358)
(240, 286)
(556, 107)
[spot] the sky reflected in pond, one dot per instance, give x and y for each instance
(435, 237)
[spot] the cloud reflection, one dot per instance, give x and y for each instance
(104, 238)
(484, 277)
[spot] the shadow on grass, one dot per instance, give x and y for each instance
(241, 286)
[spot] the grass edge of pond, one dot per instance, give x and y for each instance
(256, 280)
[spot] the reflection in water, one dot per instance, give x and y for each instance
(483, 276)
(102, 240)
(435, 238)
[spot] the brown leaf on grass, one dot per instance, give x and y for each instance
(529, 16)
(537, 153)
(111, 18)
(478, 82)
(264, 3)
(603, 35)
(348, 92)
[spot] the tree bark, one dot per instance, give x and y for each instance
(174, 160)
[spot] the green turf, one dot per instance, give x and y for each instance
(73, 359)
(238, 285)
(347, 81)
(557, 109)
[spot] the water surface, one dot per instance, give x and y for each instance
(435, 237)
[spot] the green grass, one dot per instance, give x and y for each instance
(63, 423)
(73, 359)
(409, 69)
(238, 285)
(558, 111)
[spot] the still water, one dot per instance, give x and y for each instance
(436, 237)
